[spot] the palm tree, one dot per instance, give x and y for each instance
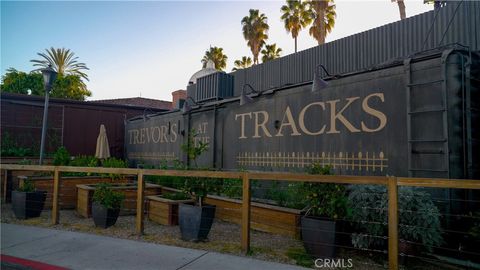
(270, 52)
(245, 62)
(63, 61)
(217, 56)
(255, 30)
(323, 12)
(401, 8)
(295, 15)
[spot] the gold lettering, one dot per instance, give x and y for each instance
(378, 114)
(291, 123)
(301, 119)
(164, 130)
(242, 123)
(334, 115)
(142, 136)
(173, 131)
(153, 134)
(262, 125)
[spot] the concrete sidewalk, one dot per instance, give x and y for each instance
(86, 251)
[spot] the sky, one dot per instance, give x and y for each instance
(150, 49)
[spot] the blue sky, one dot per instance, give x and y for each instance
(152, 48)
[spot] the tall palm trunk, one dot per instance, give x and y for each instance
(320, 20)
(401, 8)
(295, 43)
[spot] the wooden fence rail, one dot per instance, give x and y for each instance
(390, 182)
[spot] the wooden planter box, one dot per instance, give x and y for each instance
(264, 217)
(129, 207)
(164, 211)
(68, 187)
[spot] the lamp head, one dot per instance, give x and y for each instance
(49, 77)
(318, 83)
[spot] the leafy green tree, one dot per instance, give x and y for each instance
(63, 61)
(270, 52)
(217, 56)
(20, 82)
(323, 14)
(65, 86)
(295, 15)
(401, 8)
(245, 62)
(255, 28)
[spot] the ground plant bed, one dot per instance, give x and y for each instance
(68, 187)
(264, 217)
(85, 195)
(164, 211)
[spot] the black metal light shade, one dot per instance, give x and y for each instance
(318, 83)
(244, 98)
(49, 77)
(186, 106)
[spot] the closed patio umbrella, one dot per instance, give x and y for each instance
(103, 149)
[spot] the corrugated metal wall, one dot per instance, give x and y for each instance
(458, 22)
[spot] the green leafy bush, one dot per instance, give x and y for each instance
(10, 148)
(114, 163)
(324, 200)
(290, 195)
(198, 187)
(61, 157)
(419, 218)
(105, 196)
(27, 186)
(176, 196)
(176, 182)
(232, 188)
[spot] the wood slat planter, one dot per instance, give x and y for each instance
(129, 207)
(164, 211)
(68, 187)
(264, 217)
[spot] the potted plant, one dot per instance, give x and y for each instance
(195, 219)
(27, 202)
(106, 205)
(325, 204)
(419, 219)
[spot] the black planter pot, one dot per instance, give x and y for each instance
(28, 204)
(318, 235)
(104, 217)
(195, 221)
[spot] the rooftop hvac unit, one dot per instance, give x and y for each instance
(215, 86)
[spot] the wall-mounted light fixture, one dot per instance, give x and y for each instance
(244, 98)
(145, 115)
(318, 83)
(186, 106)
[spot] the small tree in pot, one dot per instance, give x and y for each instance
(195, 220)
(325, 204)
(106, 205)
(27, 202)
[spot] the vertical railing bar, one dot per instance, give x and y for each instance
(392, 223)
(56, 191)
(246, 213)
(140, 203)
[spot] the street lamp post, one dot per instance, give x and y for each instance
(49, 76)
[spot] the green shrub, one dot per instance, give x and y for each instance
(290, 195)
(232, 188)
(198, 187)
(10, 148)
(105, 196)
(176, 196)
(176, 182)
(27, 186)
(324, 200)
(61, 157)
(114, 163)
(419, 218)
